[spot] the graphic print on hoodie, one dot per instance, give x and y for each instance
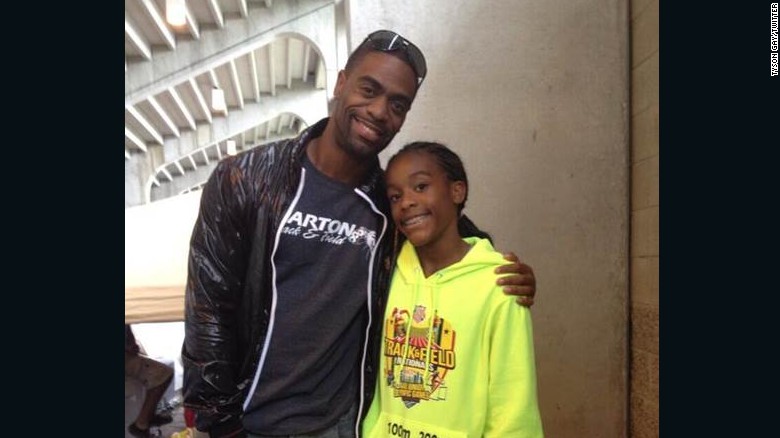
(418, 355)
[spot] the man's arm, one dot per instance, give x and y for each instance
(216, 268)
(522, 283)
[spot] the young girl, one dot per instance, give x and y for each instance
(458, 357)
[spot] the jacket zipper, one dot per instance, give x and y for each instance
(274, 294)
(368, 303)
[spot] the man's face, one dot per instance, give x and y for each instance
(371, 103)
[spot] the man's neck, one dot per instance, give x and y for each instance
(332, 161)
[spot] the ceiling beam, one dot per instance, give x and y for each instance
(156, 136)
(182, 108)
(166, 173)
(236, 83)
(179, 167)
(272, 68)
(242, 8)
(204, 107)
(215, 83)
(144, 79)
(253, 73)
(216, 12)
(135, 139)
(192, 161)
(165, 117)
(289, 63)
(137, 41)
(191, 23)
(306, 59)
(159, 23)
(214, 78)
(319, 77)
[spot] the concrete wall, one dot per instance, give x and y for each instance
(534, 97)
(644, 219)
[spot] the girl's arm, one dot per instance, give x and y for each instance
(512, 401)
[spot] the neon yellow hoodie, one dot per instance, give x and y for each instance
(458, 355)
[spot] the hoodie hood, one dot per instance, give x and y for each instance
(480, 255)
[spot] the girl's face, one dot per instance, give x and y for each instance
(423, 201)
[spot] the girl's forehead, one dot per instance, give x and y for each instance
(414, 166)
(413, 161)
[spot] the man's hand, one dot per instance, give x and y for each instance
(522, 284)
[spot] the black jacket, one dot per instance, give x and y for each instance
(228, 292)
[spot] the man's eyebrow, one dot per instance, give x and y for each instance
(376, 84)
(370, 80)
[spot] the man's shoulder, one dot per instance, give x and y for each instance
(263, 157)
(274, 147)
(279, 151)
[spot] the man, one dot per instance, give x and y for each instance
(290, 261)
(155, 377)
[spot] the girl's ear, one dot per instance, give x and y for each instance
(458, 191)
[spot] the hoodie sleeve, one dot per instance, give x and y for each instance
(512, 403)
(215, 279)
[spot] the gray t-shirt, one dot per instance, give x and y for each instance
(310, 376)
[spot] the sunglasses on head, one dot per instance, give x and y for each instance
(389, 41)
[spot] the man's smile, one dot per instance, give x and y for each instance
(367, 130)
